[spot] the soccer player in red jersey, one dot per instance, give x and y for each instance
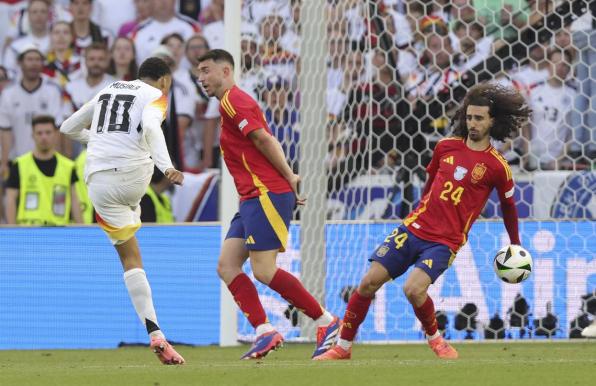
(268, 191)
(462, 173)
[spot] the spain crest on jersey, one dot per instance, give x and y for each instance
(478, 172)
(459, 173)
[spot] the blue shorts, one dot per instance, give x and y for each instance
(263, 221)
(401, 249)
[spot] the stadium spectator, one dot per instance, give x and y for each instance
(21, 23)
(143, 11)
(282, 117)
(155, 204)
(38, 16)
(86, 31)
(84, 88)
(40, 189)
(503, 18)
(213, 24)
(112, 14)
(62, 64)
(87, 210)
(532, 72)
(274, 57)
(201, 142)
(20, 101)
(551, 102)
(4, 79)
(165, 21)
(175, 44)
(253, 74)
(123, 59)
(182, 100)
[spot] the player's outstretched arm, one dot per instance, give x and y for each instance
(76, 127)
(152, 118)
(271, 149)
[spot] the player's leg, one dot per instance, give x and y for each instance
(432, 262)
(266, 221)
(229, 268)
(390, 260)
(115, 197)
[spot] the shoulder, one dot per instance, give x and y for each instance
(142, 27)
(500, 163)
(65, 161)
(191, 23)
(10, 90)
(448, 143)
(237, 97)
(51, 86)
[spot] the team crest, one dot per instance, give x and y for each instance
(382, 251)
(478, 172)
(459, 173)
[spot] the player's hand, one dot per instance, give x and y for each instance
(294, 181)
(175, 176)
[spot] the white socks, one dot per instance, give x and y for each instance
(264, 328)
(140, 295)
(324, 319)
(434, 336)
(345, 344)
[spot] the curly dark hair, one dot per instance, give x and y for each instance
(506, 106)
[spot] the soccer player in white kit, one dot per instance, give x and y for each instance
(122, 128)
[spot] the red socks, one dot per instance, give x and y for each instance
(294, 292)
(426, 314)
(355, 314)
(246, 296)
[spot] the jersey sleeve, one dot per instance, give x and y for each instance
(153, 114)
(504, 182)
(5, 116)
(242, 114)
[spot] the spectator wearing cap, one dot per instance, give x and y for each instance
(21, 101)
(282, 117)
(38, 15)
(144, 10)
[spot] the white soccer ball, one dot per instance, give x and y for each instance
(513, 264)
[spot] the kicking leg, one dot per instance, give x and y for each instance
(140, 295)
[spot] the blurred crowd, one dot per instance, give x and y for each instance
(396, 69)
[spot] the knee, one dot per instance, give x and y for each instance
(369, 286)
(227, 272)
(415, 293)
(263, 274)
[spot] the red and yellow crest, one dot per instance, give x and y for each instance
(478, 172)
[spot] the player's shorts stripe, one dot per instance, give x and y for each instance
(121, 234)
(273, 216)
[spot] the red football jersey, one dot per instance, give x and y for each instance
(252, 172)
(461, 181)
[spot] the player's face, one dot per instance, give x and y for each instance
(210, 76)
(478, 122)
(96, 62)
(44, 136)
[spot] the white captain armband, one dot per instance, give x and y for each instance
(509, 193)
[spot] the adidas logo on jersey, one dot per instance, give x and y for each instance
(250, 240)
(449, 160)
(428, 263)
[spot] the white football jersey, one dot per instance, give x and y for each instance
(124, 121)
(550, 107)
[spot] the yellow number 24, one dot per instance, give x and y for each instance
(455, 195)
(398, 239)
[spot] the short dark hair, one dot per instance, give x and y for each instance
(173, 35)
(154, 68)
(97, 46)
(506, 106)
(218, 55)
(43, 119)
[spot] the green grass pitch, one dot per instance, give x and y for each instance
(503, 364)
